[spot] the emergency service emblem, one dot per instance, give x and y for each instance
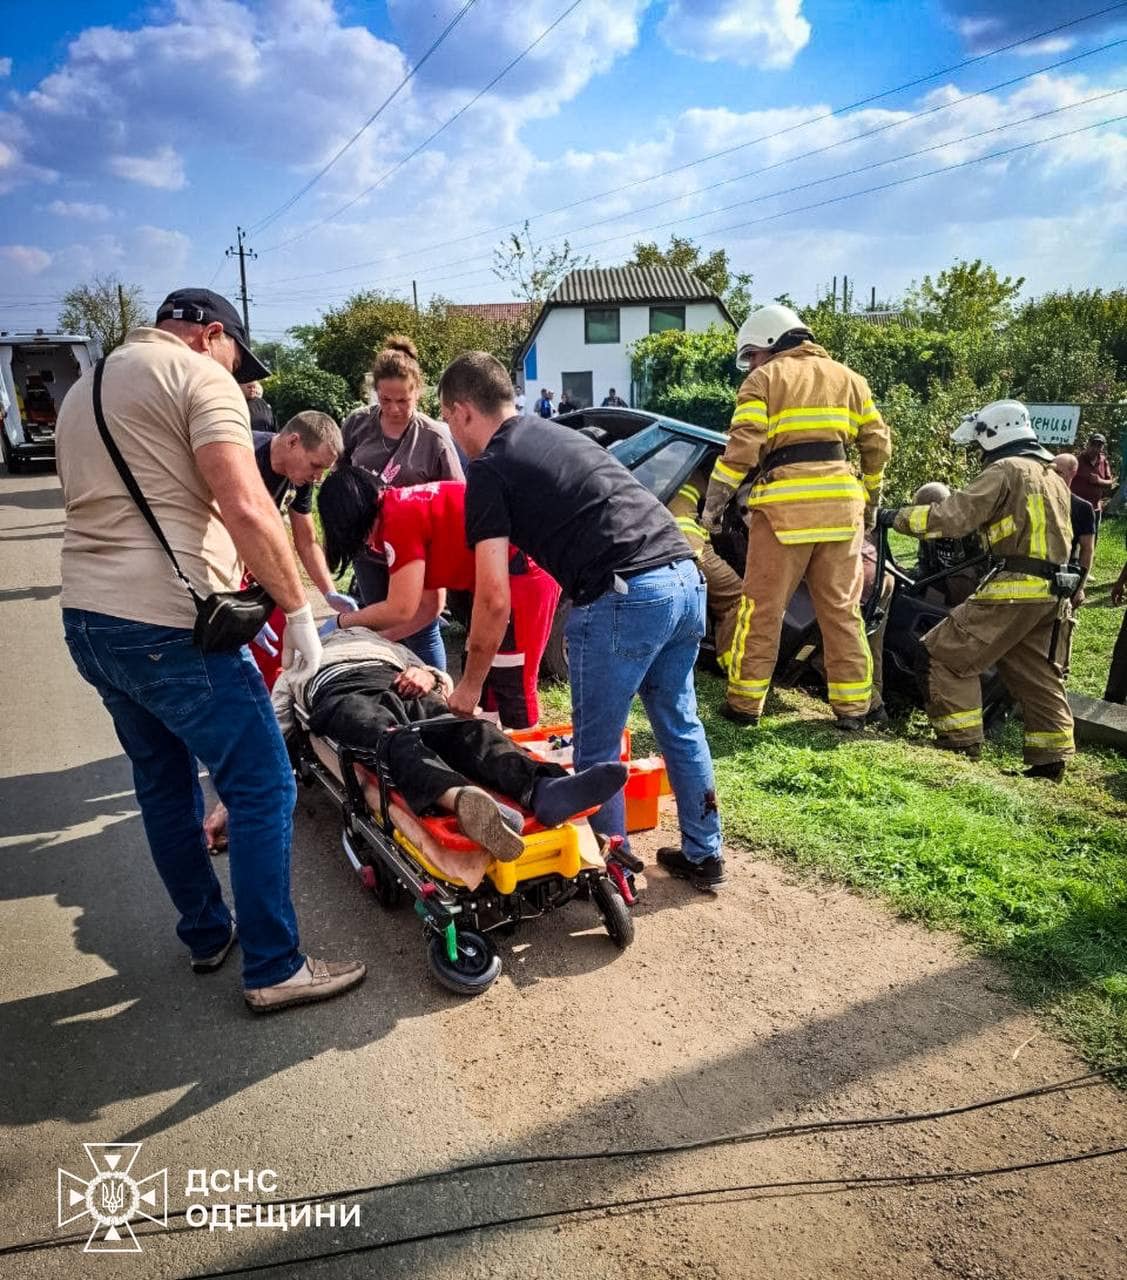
(112, 1197)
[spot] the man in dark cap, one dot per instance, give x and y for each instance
(173, 409)
(1093, 479)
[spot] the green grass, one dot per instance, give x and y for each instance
(1034, 875)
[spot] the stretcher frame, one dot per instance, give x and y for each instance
(457, 919)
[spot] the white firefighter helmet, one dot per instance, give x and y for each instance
(1000, 425)
(763, 328)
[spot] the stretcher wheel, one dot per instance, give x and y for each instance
(616, 914)
(476, 968)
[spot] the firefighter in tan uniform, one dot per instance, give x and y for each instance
(796, 413)
(1019, 619)
(725, 588)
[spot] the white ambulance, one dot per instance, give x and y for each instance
(36, 371)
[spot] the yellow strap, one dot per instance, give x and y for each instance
(726, 474)
(1038, 547)
(959, 720)
(1035, 589)
(1050, 738)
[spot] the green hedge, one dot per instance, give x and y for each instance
(307, 387)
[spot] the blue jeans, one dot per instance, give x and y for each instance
(646, 642)
(171, 706)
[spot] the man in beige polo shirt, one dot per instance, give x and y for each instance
(176, 414)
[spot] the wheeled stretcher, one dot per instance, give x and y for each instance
(460, 891)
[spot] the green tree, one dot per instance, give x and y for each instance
(534, 269)
(105, 309)
(714, 271)
(307, 387)
(966, 295)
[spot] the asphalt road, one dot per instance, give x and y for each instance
(777, 1002)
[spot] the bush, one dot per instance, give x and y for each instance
(676, 358)
(708, 404)
(307, 387)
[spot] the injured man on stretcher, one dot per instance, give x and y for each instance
(366, 686)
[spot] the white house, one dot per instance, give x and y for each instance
(581, 339)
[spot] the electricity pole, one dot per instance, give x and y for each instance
(121, 310)
(243, 253)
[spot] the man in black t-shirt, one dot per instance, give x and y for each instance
(290, 464)
(261, 414)
(638, 599)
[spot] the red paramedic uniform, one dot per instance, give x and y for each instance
(428, 522)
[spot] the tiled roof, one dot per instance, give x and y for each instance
(499, 312)
(630, 284)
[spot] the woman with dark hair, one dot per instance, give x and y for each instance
(398, 446)
(420, 532)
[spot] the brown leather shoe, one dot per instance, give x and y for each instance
(315, 980)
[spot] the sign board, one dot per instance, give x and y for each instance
(1055, 423)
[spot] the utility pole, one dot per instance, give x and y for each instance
(833, 304)
(121, 309)
(243, 253)
(415, 291)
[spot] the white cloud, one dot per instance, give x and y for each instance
(163, 169)
(5, 68)
(26, 257)
(768, 34)
(80, 210)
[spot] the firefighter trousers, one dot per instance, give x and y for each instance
(1015, 638)
(747, 642)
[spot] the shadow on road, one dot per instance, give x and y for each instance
(48, 499)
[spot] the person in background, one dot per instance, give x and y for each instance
(1083, 522)
(614, 401)
(519, 401)
(399, 446)
(1116, 690)
(261, 414)
(638, 598)
(175, 412)
(543, 406)
(1093, 479)
(568, 404)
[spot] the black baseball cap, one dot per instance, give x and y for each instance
(202, 306)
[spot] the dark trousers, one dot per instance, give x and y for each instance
(427, 762)
(1116, 690)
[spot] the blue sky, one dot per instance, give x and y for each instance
(134, 137)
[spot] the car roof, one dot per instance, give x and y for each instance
(624, 423)
(40, 338)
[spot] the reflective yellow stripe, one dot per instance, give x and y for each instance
(1050, 738)
(688, 491)
(754, 687)
(726, 474)
(688, 525)
(750, 411)
(1038, 547)
(821, 422)
(1004, 528)
(959, 720)
(1035, 589)
(873, 481)
(739, 635)
(806, 489)
(917, 520)
(839, 533)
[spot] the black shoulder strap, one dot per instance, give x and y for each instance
(127, 476)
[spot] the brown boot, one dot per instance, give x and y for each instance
(315, 980)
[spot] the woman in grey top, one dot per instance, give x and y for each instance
(400, 446)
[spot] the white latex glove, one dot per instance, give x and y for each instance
(267, 639)
(301, 645)
(340, 602)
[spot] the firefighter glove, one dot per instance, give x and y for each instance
(716, 500)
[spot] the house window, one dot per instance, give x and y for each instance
(600, 324)
(662, 318)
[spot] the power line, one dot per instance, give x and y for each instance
(288, 204)
(439, 272)
(441, 129)
(861, 102)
